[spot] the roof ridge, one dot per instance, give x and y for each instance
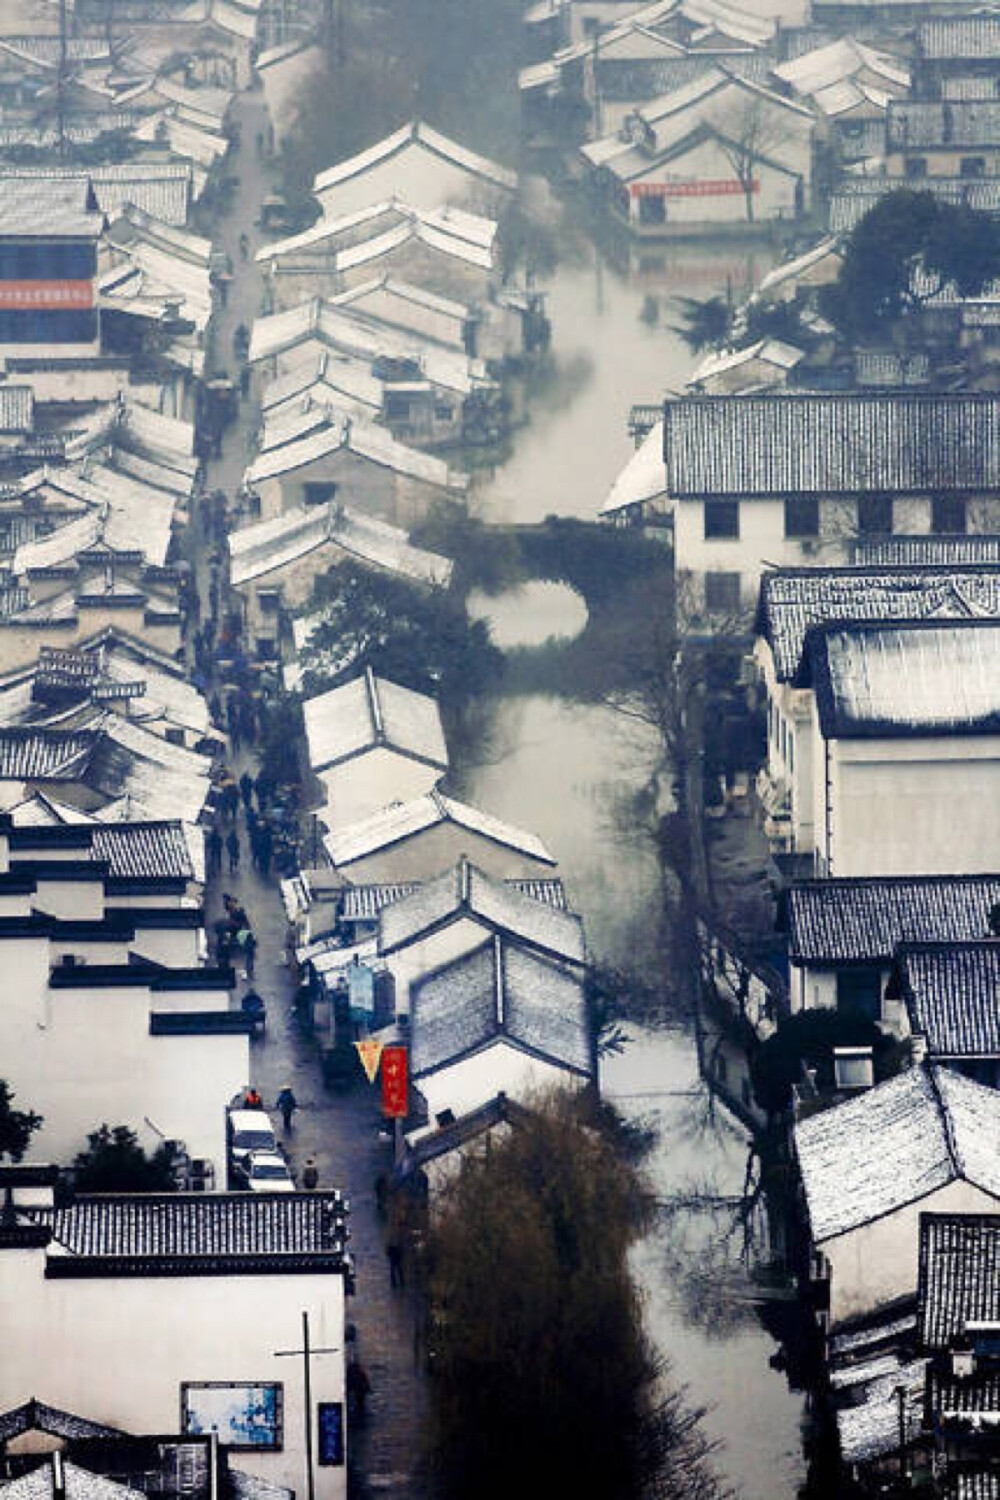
(944, 1114)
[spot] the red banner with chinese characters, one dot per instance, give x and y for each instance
(50, 295)
(394, 1082)
(721, 187)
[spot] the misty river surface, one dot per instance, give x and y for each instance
(569, 771)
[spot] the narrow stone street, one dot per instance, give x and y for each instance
(343, 1131)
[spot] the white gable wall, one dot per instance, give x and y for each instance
(409, 964)
(910, 806)
(143, 1336)
(86, 1058)
(499, 1068)
(877, 1263)
(415, 175)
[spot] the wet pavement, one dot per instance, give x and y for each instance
(343, 1132)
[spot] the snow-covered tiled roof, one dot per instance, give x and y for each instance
(269, 545)
(643, 477)
(370, 713)
(864, 920)
(150, 1234)
(895, 1145)
(831, 443)
(73, 1483)
(869, 1429)
(891, 680)
(345, 333)
(499, 991)
(467, 891)
(959, 1279)
(793, 600)
(405, 819)
(431, 140)
(952, 995)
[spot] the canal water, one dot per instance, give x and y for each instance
(572, 772)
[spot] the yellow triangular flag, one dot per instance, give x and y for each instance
(370, 1052)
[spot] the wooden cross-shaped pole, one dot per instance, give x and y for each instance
(306, 1353)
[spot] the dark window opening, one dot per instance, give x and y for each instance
(722, 593)
(916, 166)
(948, 515)
(722, 519)
(875, 515)
(652, 210)
(318, 492)
(859, 991)
(802, 516)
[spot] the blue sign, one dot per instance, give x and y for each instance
(331, 1432)
(361, 991)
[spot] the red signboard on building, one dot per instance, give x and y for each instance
(721, 187)
(394, 1082)
(47, 295)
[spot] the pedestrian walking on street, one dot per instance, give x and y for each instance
(394, 1252)
(358, 1390)
(310, 1175)
(287, 1104)
(244, 245)
(213, 849)
(246, 789)
(250, 952)
(233, 849)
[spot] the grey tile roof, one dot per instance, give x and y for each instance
(211, 1234)
(144, 849)
(465, 892)
(864, 921)
(35, 1415)
(372, 713)
(976, 36)
(943, 123)
(852, 200)
(45, 754)
(959, 1278)
(950, 1396)
(972, 1484)
(362, 903)
(895, 1145)
(913, 679)
(831, 443)
(50, 208)
(925, 551)
(499, 991)
(792, 600)
(162, 189)
(17, 407)
(952, 994)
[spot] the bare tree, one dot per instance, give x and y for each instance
(747, 133)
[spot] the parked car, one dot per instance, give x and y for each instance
(267, 1172)
(248, 1130)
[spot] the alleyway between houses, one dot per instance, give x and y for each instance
(342, 1132)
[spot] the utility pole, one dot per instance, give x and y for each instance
(306, 1355)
